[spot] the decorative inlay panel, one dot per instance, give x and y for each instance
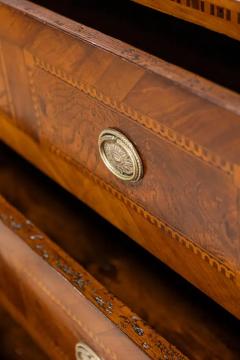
(171, 170)
(160, 129)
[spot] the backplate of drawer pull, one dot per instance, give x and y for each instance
(120, 155)
(84, 352)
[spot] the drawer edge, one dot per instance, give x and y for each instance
(216, 94)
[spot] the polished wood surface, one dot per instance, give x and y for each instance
(218, 15)
(210, 54)
(185, 210)
(187, 318)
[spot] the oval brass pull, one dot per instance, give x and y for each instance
(120, 156)
(84, 352)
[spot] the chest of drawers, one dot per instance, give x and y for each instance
(76, 95)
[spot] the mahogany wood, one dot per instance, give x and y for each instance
(71, 82)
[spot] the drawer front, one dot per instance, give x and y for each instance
(179, 189)
(61, 305)
(73, 83)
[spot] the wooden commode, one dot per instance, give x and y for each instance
(135, 111)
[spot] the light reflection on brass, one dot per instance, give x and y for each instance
(120, 155)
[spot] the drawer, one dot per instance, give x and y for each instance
(64, 83)
(81, 285)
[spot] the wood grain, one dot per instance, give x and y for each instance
(186, 206)
(5, 97)
(163, 173)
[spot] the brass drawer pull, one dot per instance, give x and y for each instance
(83, 352)
(120, 156)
